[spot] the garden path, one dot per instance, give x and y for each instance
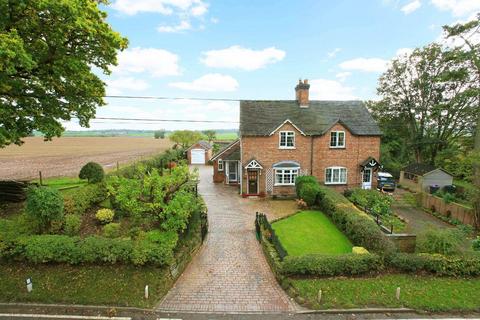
(229, 273)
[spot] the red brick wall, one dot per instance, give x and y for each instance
(208, 153)
(219, 176)
(265, 150)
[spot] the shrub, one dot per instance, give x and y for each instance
(309, 193)
(359, 250)
(378, 203)
(93, 172)
(111, 230)
(105, 215)
(355, 224)
(299, 181)
(82, 198)
(331, 265)
(44, 205)
(72, 224)
(442, 241)
(476, 244)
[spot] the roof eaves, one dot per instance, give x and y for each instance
(225, 149)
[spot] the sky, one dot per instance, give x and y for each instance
(257, 50)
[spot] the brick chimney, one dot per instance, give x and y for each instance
(301, 91)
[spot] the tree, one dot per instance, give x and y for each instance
(45, 205)
(185, 138)
(431, 108)
(467, 54)
(159, 134)
(93, 172)
(47, 51)
(210, 134)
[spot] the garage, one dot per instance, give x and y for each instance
(199, 153)
(198, 156)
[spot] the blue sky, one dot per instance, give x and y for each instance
(258, 50)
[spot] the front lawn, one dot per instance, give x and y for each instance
(418, 292)
(115, 285)
(310, 232)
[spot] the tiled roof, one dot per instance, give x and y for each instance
(261, 118)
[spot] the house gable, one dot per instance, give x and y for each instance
(282, 126)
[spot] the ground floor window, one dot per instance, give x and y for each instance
(336, 175)
(285, 177)
(220, 165)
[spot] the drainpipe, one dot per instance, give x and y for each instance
(311, 156)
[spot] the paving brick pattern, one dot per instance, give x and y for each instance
(229, 273)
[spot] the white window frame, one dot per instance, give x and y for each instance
(337, 146)
(339, 175)
(294, 172)
(286, 133)
(220, 164)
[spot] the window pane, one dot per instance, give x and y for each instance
(336, 175)
(328, 175)
(341, 139)
(343, 175)
(333, 139)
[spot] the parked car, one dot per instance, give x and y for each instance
(385, 181)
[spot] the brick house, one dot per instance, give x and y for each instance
(336, 141)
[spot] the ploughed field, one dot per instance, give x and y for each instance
(65, 156)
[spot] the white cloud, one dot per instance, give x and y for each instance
(117, 86)
(237, 57)
(365, 64)
(404, 52)
(411, 6)
(182, 26)
(156, 62)
(334, 52)
(324, 89)
(164, 7)
(209, 82)
(458, 8)
(342, 76)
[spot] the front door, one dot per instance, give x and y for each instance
(252, 181)
(367, 178)
(232, 171)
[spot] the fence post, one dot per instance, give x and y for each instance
(41, 180)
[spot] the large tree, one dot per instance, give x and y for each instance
(186, 138)
(431, 106)
(47, 51)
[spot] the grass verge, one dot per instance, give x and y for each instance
(115, 285)
(310, 232)
(418, 292)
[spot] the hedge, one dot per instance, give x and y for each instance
(82, 198)
(457, 265)
(331, 265)
(93, 249)
(355, 224)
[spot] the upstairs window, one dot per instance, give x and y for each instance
(336, 175)
(287, 140)
(220, 165)
(337, 139)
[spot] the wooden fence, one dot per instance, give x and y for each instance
(451, 210)
(13, 191)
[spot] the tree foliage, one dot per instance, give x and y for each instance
(210, 134)
(45, 205)
(185, 138)
(47, 51)
(93, 172)
(159, 134)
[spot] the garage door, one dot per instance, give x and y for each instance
(198, 156)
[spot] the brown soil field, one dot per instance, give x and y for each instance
(65, 156)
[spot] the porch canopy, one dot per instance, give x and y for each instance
(287, 164)
(370, 162)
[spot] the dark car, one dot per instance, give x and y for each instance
(385, 181)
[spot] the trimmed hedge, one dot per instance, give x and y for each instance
(79, 200)
(331, 265)
(355, 224)
(93, 249)
(456, 266)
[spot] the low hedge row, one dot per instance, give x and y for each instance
(355, 224)
(332, 265)
(77, 201)
(93, 249)
(455, 265)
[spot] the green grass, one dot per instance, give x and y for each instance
(115, 285)
(227, 136)
(417, 292)
(63, 182)
(310, 232)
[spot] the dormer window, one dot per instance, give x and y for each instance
(287, 140)
(337, 139)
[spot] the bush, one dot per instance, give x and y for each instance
(93, 172)
(299, 181)
(476, 244)
(45, 205)
(78, 201)
(378, 203)
(105, 215)
(442, 241)
(309, 192)
(72, 225)
(355, 224)
(111, 230)
(456, 266)
(331, 265)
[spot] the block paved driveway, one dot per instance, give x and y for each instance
(229, 273)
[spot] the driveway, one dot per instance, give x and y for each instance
(229, 273)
